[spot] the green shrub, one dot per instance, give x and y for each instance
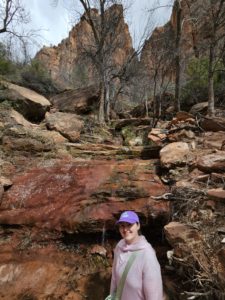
(196, 87)
(6, 65)
(36, 77)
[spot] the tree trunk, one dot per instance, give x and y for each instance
(107, 101)
(101, 111)
(146, 107)
(211, 99)
(160, 105)
(154, 97)
(177, 58)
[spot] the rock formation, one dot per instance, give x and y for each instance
(67, 63)
(159, 50)
(60, 199)
(65, 180)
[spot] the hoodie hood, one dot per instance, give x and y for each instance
(139, 245)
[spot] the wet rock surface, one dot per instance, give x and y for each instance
(38, 265)
(83, 196)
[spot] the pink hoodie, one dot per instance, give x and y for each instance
(144, 280)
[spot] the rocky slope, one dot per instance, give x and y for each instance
(63, 183)
(60, 198)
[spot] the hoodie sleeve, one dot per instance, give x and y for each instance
(152, 279)
(113, 278)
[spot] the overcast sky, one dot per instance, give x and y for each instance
(55, 21)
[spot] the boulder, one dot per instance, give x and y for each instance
(213, 124)
(158, 135)
(213, 140)
(182, 136)
(190, 250)
(30, 140)
(67, 124)
(216, 194)
(200, 108)
(214, 162)
(11, 117)
(174, 154)
(18, 134)
(187, 243)
(181, 118)
(30, 104)
(79, 101)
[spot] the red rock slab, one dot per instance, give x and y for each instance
(188, 244)
(83, 196)
(213, 140)
(212, 162)
(51, 274)
(213, 124)
(216, 194)
(177, 232)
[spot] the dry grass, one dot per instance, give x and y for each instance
(199, 282)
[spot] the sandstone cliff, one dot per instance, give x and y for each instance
(159, 50)
(68, 64)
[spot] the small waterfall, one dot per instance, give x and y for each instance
(103, 235)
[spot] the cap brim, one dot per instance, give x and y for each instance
(126, 221)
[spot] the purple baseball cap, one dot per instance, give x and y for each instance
(128, 217)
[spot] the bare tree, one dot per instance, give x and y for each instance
(161, 53)
(12, 14)
(216, 24)
(179, 19)
(13, 17)
(101, 50)
(210, 16)
(109, 49)
(178, 12)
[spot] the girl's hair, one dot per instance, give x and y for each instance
(139, 230)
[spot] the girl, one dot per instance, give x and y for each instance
(143, 281)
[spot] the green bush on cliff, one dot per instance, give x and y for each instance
(6, 65)
(32, 75)
(196, 87)
(36, 77)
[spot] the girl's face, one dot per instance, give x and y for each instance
(129, 232)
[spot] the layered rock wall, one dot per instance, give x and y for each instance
(67, 63)
(159, 50)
